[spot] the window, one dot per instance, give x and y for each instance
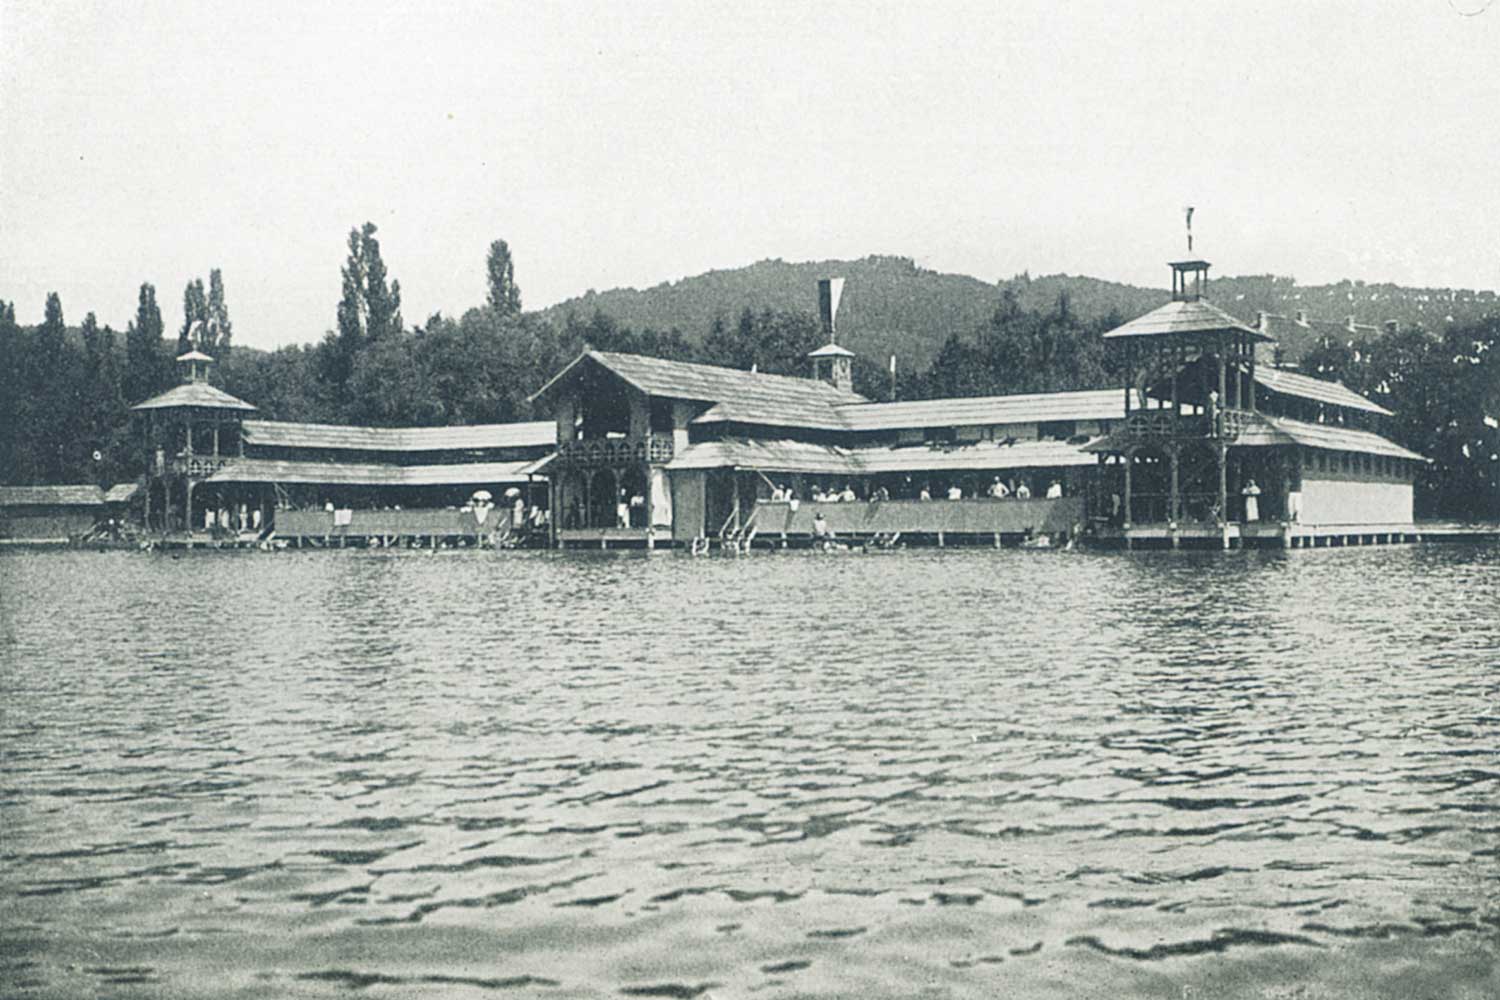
(943, 435)
(1056, 430)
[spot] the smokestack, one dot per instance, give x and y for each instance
(829, 290)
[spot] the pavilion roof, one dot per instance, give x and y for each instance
(1178, 317)
(1258, 430)
(199, 394)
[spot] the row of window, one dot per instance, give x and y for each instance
(1356, 462)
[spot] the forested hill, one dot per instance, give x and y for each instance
(890, 305)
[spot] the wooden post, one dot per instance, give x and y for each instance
(1129, 461)
(187, 520)
(1176, 500)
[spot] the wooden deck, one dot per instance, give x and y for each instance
(1281, 535)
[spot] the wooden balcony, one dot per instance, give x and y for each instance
(1161, 425)
(654, 449)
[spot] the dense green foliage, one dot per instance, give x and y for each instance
(64, 393)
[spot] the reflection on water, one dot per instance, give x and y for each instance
(910, 774)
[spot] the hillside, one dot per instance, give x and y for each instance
(892, 306)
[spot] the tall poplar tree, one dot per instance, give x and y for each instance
(220, 331)
(504, 297)
(147, 369)
(194, 310)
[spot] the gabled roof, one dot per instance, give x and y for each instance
(51, 496)
(1193, 316)
(194, 394)
(831, 351)
(1332, 393)
(751, 392)
(1090, 404)
(286, 434)
(260, 470)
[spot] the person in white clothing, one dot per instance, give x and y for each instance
(1252, 505)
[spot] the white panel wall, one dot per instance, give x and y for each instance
(1345, 501)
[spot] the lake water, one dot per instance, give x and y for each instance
(957, 773)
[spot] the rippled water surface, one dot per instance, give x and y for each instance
(914, 774)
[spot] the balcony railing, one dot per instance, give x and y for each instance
(1157, 424)
(199, 466)
(597, 452)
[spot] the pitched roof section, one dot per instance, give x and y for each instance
(194, 394)
(800, 456)
(1332, 393)
(51, 496)
(260, 470)
(1092, 404)
(1336, 438)
(1194, 316)
(122, 492)
(286, 434)
(750, 391)
(767, 456)
(54, 496)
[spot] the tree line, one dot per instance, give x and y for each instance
(64, 396)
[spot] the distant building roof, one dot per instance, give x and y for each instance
(260, 470)
(51, 496)
(1089, 404)
(193, 355)
(751, 393)
(1332, 393)
(286, 434)
(194, 394)
(831, 351)
(1193, 316)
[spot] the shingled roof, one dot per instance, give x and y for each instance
(1332, 393)
(287, 434)
(1035, 407)
(800, 456)
(753, 396)
(261, 470)
(51, 496)
(1193, 316)
(194, 394)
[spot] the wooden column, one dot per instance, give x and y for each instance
(216, 437)
(1175, 505)
(1129, 461)
(1252, 376)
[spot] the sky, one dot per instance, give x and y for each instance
(627, 144)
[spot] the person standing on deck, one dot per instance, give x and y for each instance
(1054, 491)
(1252, 505)
(999, 490)
(1023, 492)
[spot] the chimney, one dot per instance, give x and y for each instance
(1301, 317)
(1262, 321)
(1392, 326)
(1349, 323)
